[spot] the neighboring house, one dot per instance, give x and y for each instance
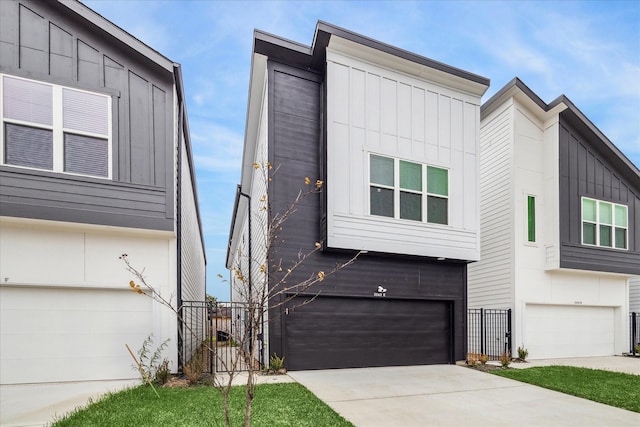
(634, 295)
(560, 226)
(395, 137)
(95, 161)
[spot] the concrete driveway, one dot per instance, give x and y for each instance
(450, 395)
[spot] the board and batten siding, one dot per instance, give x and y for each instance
(43, 41)
(491, 280)
(585, 172)
(374, 110)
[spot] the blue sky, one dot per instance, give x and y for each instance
(587, 50)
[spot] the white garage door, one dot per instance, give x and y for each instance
(51, 335)
(554, 331)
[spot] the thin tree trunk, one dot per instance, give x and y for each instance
(249, 393)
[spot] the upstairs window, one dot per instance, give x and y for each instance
(604, 224)
(56, 128)
(408, 190)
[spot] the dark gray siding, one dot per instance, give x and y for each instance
(295, 150)
(45, 41)
(588, 169)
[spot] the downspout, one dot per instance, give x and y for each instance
(179, 221)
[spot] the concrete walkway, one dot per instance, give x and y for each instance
(627, 365)
(449, 395)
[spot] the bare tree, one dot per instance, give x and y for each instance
(252, 284)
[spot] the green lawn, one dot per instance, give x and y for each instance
(611, 388)
(288, 404)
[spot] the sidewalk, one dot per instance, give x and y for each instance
(627, 365)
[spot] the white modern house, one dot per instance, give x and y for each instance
(394, 136)
(560, 224)
(95, 161)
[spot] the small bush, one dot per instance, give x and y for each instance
(638, 349)
(505, 359)
(150, 362)
(473, 359)
(522, 353)
(484, 358)
(163, 373)
(194, 369)
(276, 363)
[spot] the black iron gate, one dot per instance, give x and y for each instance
(212, 336)
(489, 332)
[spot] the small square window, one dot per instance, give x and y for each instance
(381, 201)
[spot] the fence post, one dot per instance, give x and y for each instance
(508, 334)
(482, 331)
(634, 332)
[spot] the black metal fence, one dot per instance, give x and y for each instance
(212, 334)
(489, 332)
(634, 332)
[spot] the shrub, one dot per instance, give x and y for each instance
(163, 373)
(276, 363)
(505, 359)
(522, 353)
(638, 349)
(473, 359)
(194, 369)
(150, 362)
(484, 358)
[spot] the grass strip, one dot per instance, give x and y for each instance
(286, 404)
(611, 388)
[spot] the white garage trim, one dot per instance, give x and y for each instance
(556, 331)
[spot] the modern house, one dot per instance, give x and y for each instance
(395, 138)
(560, 224)
(95, 162)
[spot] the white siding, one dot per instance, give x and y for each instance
(490, 280)
(192, 257)
(634, 294)
(372, 109)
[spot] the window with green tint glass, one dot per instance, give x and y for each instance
(604, 224)
(531, 219)
(396, 189)
(437, 181)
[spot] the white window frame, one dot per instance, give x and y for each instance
(598, 223)
(528, 242)
(424, 194)
(57, 128)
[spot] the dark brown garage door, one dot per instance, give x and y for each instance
(336, 332)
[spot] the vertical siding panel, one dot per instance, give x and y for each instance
(33, 42)
(8, 33)
(404, 110)
(418, 115)
(357, 96)
(356, 172)
(341, 82)
(599, 179)
(389, 107)
(606, 183)
(140, 113)
(591, 172)
(373, 102)
(115, 78)
(470, 132)
(88, 64)
(159, 135)
(61, 52)
(432, 126)
(457, 127)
